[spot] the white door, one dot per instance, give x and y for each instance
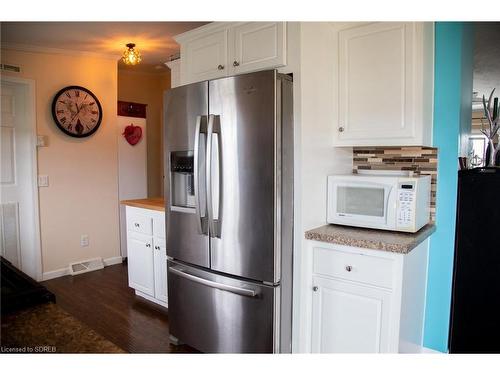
(376, 82)
(349, 318)
(160, 260)
(19, 241)
(141, 263)
(258, 45)
(206, 57)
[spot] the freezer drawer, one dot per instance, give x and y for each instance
(218, 314)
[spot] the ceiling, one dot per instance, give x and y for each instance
(153, 39)
(486, 58)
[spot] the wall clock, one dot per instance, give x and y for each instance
(76, 111)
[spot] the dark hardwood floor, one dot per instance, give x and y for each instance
(103, 301)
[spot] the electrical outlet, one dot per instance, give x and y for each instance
(84, 240)
(43, 180)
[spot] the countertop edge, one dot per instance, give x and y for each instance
(389, 246)
(155, 204)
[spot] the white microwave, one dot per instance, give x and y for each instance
(390, 202)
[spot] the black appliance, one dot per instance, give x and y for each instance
(475, 312)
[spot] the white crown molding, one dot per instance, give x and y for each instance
(173, 63)
(57, 51)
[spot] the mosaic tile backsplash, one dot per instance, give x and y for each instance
(421, 160)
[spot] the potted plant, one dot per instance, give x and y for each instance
(492, 114)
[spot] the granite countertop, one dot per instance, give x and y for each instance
(396, 242)
(157, 204)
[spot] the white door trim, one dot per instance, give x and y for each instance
(31, 118)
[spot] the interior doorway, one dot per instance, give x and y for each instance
(19, 219)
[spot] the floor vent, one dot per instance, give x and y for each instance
(86, 266)
(10, 68)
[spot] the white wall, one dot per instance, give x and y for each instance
(312, 61)
(82, 196)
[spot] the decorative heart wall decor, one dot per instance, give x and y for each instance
(132, 134)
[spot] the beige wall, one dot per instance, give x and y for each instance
(147, 88)
(83, 194)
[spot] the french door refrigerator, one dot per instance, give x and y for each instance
(229, 213)
(475, 310)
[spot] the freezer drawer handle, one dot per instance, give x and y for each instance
(213, 284)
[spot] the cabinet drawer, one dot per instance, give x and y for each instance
(354, 267)
(139, 222)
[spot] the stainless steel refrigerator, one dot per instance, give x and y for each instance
(229, 213)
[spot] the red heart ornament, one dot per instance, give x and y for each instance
(132, 134)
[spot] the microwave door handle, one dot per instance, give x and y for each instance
(201, 128)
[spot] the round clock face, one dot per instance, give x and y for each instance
(76, 111)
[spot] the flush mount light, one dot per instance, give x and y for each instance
(131, 56)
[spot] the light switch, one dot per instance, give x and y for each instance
(43, 180)
(41, 140)
(84, 240)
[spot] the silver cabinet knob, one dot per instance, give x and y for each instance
(157, 247)
(348, 268)
(341, 129)
(136, 225)
(236, 63)
(220, 67)
(315, 288)
(148, 245)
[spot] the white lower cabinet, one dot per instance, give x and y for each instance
(147, 257)
(160, 270)
(349, 318)
(140, 262)
(357, 300)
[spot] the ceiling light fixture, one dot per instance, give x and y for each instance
(131, 56)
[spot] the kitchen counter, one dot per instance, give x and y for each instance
(396, 242)
(157, 204)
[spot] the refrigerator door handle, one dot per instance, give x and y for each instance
(214, 175)
(200, 207)
(228, 288)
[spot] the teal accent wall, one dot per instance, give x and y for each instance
(452, 120)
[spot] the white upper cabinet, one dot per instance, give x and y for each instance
(175, 72)
(223, 49)
(205, 57)
(384, 83)
(258, 45)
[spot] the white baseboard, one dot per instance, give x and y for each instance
(112, 261)
(65, 271)
(55, 274)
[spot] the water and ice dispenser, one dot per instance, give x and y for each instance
(182, 180)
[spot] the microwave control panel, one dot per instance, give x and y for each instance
(406, 204)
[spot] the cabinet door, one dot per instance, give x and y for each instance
(140, 263)
(349, 318)
(376, 84)
(160, 269)
(158, 224)
(205, 57)
(258, 45)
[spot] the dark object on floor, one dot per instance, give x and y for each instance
(19, 291)
(49, 329)
(475, 324)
